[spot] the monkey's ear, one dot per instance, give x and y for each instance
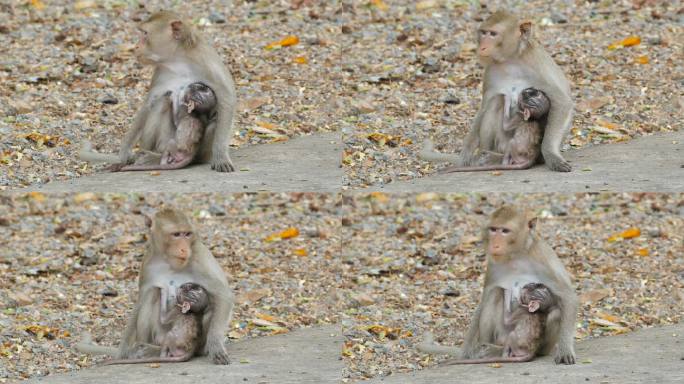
(177, 29)
(525, 29)
(532, 222)
(148, 221)
(526, 114)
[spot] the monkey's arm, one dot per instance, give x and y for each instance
(220, 319)
(225, 108)
(565, 353)
(558, 124)
(165, 315)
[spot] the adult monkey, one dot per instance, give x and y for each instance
(180, 56)
(513, 61)
(517, 255)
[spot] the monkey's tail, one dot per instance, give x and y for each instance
(86, 153)
(145, 360)
(489, 360)
(428, 345)
(428, 153)
(86, 345)
(480, 168)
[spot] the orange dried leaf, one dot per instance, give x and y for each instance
(266, 317)
(300, 252)
(266, 125)
(380, 4)
(37, 196)
(628, 42)
(289, 233)
(631, 233)
(607, 124)
(641, 60)
(300, 60)
(631, 41)
(642, 252)
(286, 42)
(37, 4)
(379, 196)
(611, 318)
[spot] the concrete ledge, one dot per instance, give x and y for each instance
(303, 164)
(653, 163)
(653, 355)
(303, 356)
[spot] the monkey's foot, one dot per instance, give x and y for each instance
(116, 167)
(220, 358)
(223, 166)
(558, 164)
(564, 357)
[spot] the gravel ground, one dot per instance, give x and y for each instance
(68, 73)
(413, 74)
(417, 265)
(69, 265)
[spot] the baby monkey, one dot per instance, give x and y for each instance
(180, 343)
(191, 109)
(526, 321)
(523, 148)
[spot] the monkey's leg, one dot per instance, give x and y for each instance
(557, 126)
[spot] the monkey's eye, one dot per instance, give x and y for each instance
(505, 231)
(493, 33)
(176, 234)
(188, 234)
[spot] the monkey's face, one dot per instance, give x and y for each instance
(501, 240)
(192, 298)
(179, 248)
(156, 43)
(497, 41)
(533, 104)
(536, 296)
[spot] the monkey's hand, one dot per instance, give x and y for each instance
(217, 352)
(565, 355)
(222, 163)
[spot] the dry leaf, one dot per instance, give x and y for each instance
(286, 234)
(642, 252)
(627, 234)
(253, 296)
(300, 60)
(286, 42)
(426, 4)
(379, 196)
(37, 4)
(81, 5)
(300, 252)
(641, 60)
(628, 42)
(595, 296)
(36, 196)
(82, 197)
(380, 4)
(593, 104)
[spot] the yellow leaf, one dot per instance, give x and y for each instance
(286, 42)
(379, 196)
(266, 125)
(380, 4)
(82, 197)
(610, 318)
(300, 60)
(631, 41)
(642, 252)
(300, 252)
(628, 42)
(496, 365)
(641, 60)
(631, 233)
(80, 5)
(266, 317)
(607, 124)
(37, 196)
(37, 4)
(286, 234)
(627, 234)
